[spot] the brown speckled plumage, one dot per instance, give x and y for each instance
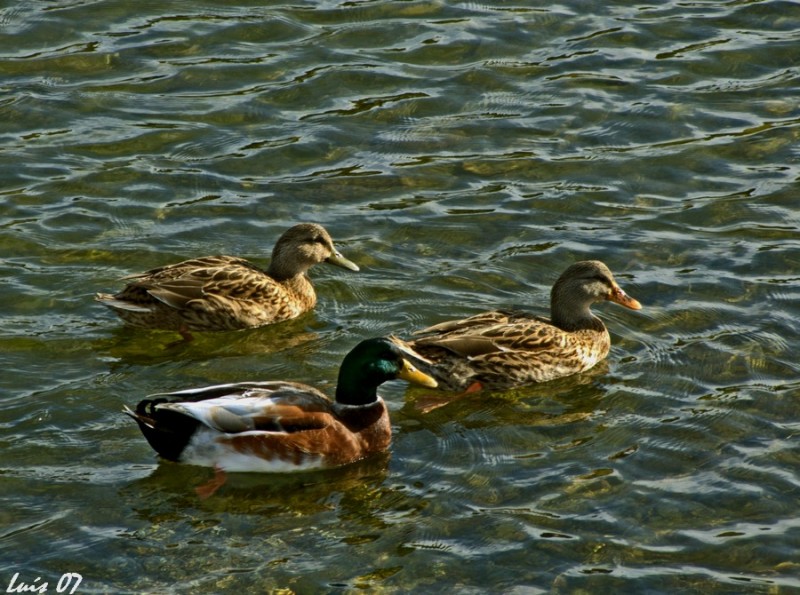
(219, 293)
(504, 349)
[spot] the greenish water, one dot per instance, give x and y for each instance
(463, 154)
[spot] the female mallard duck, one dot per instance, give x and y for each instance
(219, 293)
(504, 349)
(280, 426)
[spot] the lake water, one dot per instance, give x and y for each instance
(463, 154)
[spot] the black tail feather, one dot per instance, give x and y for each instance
(168, 432)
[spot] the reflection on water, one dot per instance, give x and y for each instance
(463, 155)
(244, 493)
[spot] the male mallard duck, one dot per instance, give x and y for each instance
(280, 426)
(504, 349)
(219, 293)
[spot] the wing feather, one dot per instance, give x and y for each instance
(269, 407)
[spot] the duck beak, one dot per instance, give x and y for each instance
(340, 261)
(410, 374)
(623, 299)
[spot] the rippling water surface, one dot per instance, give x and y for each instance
(463, 154)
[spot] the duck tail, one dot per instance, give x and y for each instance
(167, 431)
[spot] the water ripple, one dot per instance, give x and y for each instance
(463, 154)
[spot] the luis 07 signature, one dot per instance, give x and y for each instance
(68, 583)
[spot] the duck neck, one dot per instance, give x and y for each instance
(571, 316)
(295, 282)
(353, 389)
(282, 270)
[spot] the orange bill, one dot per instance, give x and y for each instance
(623, 299)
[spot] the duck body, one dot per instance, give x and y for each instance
(279, 426)
(503, 349)
(267, 427)
(210, 293)
(219, 293)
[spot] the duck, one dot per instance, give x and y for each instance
(222, 293)
(504, 349)
(280, 426)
